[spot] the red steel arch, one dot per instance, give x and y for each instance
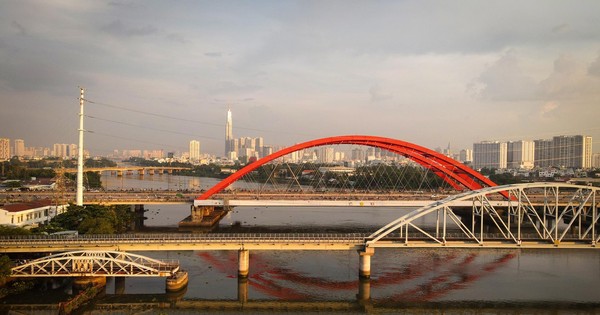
(455, 173)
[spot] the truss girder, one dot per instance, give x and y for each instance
(453, 172)
(95, 263)
(566, 213)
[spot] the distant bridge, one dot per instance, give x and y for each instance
(140, 170)
(91, 263)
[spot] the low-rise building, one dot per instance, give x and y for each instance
(30, 214)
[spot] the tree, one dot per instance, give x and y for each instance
(5, 265)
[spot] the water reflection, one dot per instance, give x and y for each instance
(423, 278)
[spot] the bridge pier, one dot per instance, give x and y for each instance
(242, 290)
(364, 264)
(364, 290)
(119, 285)
(244, 263)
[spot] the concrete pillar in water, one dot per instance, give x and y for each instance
(119, 285)
(364, 265)
(244, 263)
(242, 290)
(364, 290)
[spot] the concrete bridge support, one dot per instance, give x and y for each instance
(242, 290)
(244, 263)
(364, 265)
(364, 290)
(119, 285)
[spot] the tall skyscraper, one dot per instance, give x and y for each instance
(4, 149)
(228, 134)
(194, 151)
(19, 147)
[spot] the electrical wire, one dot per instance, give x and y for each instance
(151, 128)
(190, 120)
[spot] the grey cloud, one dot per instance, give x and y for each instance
(176, 38)
(228, 87)
(119, 29)
(20, 29)
(570, 80)
(378, 94)
(506, 81)
(214, 54)
(561, 29)
(594, 68)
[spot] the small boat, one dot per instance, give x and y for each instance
(177, 281)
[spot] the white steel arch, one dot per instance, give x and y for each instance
(95, 263)
(542, 213)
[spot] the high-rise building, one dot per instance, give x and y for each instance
(194, 151)
(564, 151)
(544, 153)
(489, 154)
(596, 160)
(326, 154)
(4, 149)
(520, 154)
(228, 134)
(465, 155)
(19, 147)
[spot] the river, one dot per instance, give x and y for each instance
(415, 281)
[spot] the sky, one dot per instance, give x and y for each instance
(158, 74)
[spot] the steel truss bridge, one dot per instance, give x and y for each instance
(536, 215)
(92, 263)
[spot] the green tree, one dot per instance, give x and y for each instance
(5, 265)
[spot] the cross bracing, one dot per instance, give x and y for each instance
(95, 263)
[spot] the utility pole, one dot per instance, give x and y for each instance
(79, 200)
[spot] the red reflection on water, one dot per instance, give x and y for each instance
(279, 282)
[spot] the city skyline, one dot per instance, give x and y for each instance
(435, 72)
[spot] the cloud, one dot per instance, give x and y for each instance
(594, 68)
(561, 29)
(20, 29)
(378, 94)
(174, 37)
(570, 79)
(548, 108)
(505, 81)
(229, 87)
(117, 28)
(214, 54)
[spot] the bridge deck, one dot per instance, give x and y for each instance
(259, 241)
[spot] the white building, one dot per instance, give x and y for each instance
(194, 151)
(29, 214)
(19, 147)
(4, 149)
(520, 154)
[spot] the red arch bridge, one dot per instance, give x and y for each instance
(379, 184)
(536, 215)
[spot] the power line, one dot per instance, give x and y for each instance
(136, 140)
(150, 128)
(190, 120)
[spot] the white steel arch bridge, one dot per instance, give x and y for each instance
(535, 215)
(91, 263)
